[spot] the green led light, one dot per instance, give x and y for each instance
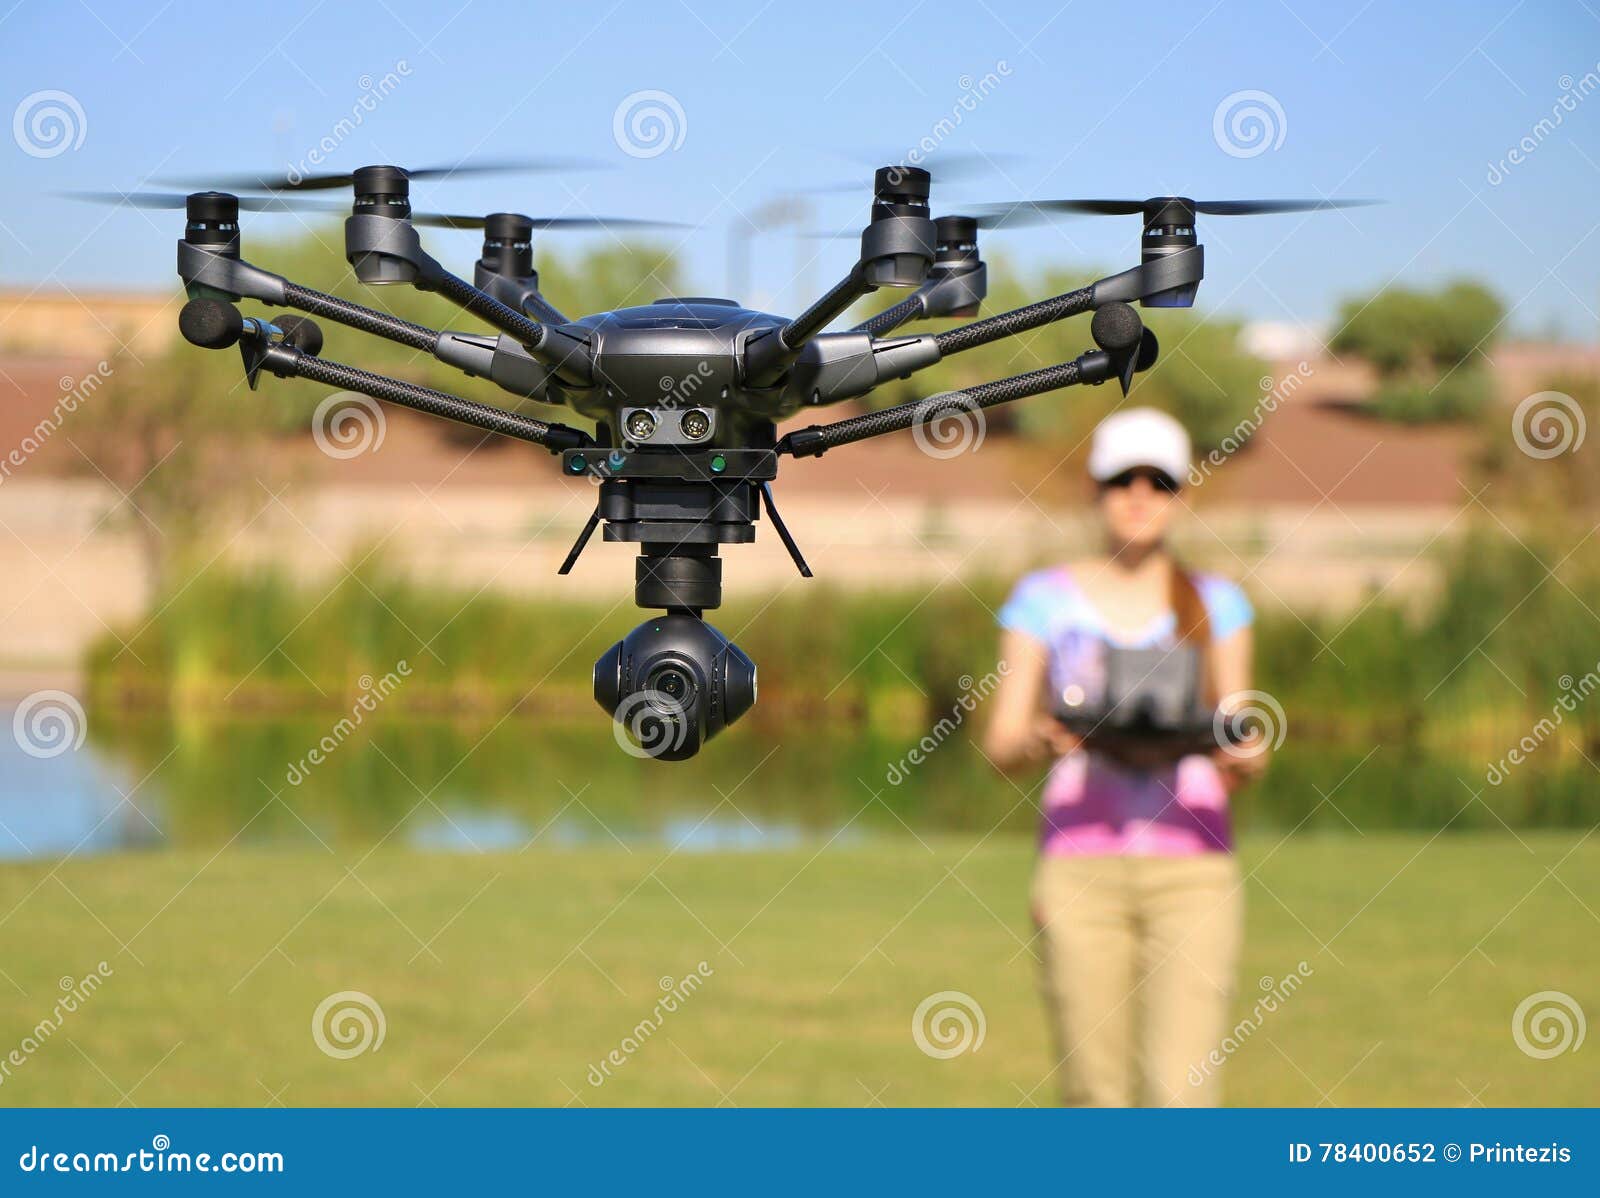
(718, 464)
(576, 463)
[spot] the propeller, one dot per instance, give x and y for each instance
(177, 200)
(174, 200)
(1031, 212)
(446, 220)
(944, 167)
(324, 182)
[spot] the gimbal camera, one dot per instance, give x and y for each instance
(685, 393)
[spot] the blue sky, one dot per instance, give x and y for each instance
(1412, 103)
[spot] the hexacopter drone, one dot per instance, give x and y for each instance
(685, 393)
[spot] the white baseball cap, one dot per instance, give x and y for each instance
(1137, 437)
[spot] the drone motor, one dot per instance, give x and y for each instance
(898, 245)
(1168, 229)
(508, 245)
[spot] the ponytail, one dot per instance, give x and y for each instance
(1193, 622)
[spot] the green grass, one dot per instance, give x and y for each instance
(503, 978)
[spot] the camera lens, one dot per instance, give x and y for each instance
(672, 682)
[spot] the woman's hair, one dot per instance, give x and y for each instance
(1193, 624)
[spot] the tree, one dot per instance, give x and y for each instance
(179, 438)
(1425, 347)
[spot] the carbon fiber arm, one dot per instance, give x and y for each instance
(767, 356)
(366, 320)
(811, 322)
(287, 362)
(552, 344)
(1092, 367)
(480, 303)
(892, 318)
(1018, 320)
(542, 309)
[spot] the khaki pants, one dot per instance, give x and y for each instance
(1138, 969)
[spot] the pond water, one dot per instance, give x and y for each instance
(443, 786)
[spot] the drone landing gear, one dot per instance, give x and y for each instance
(689, 519)
(589, 525)
(782, 530)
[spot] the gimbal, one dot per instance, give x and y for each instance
(685, 393)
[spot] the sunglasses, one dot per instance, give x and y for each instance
(1159, 479)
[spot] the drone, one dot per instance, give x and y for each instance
(686, 392)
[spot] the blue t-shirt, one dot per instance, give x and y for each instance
(1048, 604)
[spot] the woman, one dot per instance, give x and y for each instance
(1136, 896)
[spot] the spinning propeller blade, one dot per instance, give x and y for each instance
(323, 182)
(175, 200)
(1032, 212)
(446, 220)
(944, 167)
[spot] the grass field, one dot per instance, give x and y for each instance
(504, 978)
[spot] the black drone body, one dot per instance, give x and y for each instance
(685, 393)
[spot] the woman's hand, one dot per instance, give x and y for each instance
(1243, 763)
(1020, 736)
(1052, 739)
